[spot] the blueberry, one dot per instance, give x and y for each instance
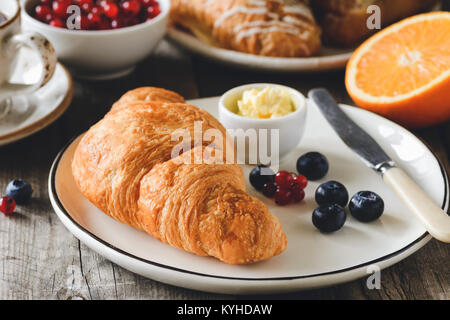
(329, 218)
(20, 190)
(313, 165)
(332, 192)
(261, 175)
(366, 206)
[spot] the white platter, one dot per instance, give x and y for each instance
(312, 259)
(329, 58)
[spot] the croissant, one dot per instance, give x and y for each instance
(124, 166)
(344, 22)
(262, 27)
(147, 94)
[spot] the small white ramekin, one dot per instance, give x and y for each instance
(290, 127)
(101, 55)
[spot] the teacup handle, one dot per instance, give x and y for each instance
(45, 51)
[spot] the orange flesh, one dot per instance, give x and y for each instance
(404, 61)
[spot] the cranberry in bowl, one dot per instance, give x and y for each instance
(95, 14)
(99, 39)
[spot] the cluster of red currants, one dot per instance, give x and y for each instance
(97, 14)
(284, 186)
(287, 188)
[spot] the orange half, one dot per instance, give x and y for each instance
(403, 72)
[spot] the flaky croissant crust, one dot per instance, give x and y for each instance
(123, 165)
(269, 28)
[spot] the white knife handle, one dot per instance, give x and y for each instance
(434, 219)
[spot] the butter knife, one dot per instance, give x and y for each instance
(432, 217)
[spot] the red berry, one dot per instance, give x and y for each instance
(46, 2)
(60, 7)
(298, 195)
(43, 12)
(56, 22)
(94, 20)
(269, 190)
(148, 3)
(84, 22)
(299, 181)
(97, 10)
(116, 24)
(82, 2)
(153, 12)
(111, 10)
(7, 205)
(283, 197)
(104, 24)
(131, 7)
(283, 179)
(131, 22)
(87, 7)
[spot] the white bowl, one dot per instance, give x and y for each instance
(290, 127)
(101, 54)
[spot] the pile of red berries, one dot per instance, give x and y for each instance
(284, 186)
(287, 188)
(97, 14)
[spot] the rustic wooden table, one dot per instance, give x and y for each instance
(40, 259)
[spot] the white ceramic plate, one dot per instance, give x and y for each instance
(30, 114)
(329, 59)
(312, 259)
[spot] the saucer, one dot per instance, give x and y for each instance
(32, 113)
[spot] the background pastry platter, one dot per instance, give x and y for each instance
(312, 259)
(330, 58)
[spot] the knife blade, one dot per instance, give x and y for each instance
(432, 217)
(351, 134)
